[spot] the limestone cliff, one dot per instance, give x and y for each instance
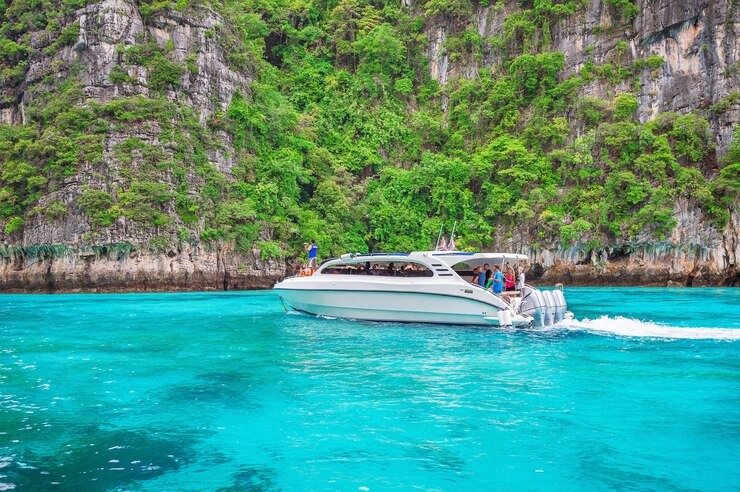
(698, 43)
(104, 269)
(72, 252)
(695, 255)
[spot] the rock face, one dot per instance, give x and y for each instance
(696, 255)
(698, 41)
(118, 271)
(700, 47)
(107, 30)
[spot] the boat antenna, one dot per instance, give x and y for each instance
(436, 246)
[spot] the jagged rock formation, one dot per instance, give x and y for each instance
(699, 42)
(695, 255)
(105, 29)
(93, 270)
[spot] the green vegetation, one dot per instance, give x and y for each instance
(67, 37)
(162, 73)
(626, 9)
(98, 205)
(342, 136)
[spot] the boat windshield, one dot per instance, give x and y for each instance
(466, 268)
(379, 268)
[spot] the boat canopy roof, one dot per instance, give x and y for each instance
(449, 258)
(358, 258)
(472, 260)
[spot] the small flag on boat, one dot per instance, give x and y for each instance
(442, 245)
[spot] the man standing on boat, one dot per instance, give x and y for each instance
(498, 280)
(313, 252)
(482, 275)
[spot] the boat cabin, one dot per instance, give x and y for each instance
(417, 264)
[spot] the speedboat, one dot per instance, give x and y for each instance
(419, 287)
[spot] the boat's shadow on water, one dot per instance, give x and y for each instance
(328, 322)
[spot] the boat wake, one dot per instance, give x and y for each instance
(615, 326)
(630, 327)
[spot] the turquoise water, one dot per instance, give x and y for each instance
(224, 391)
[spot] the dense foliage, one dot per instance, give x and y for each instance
(343, 136)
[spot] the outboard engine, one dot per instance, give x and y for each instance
(542, 314)
(528, 304)
(561, 305)
(551, 307)
(533, 304)
(545, 307)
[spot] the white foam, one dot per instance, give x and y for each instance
(629, 327)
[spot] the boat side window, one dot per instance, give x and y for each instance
(381, 269)
(409, 269)
(340, 269)
(463, 269)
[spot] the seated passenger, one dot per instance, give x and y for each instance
(474, 278)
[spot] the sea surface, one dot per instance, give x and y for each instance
(225, 391)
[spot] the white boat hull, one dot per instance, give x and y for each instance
(463, 305)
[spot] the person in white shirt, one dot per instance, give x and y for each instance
(520, 280)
